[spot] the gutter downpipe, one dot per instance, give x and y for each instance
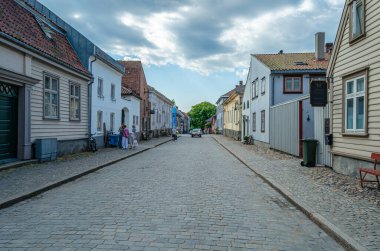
(90, 96)
(272, 92)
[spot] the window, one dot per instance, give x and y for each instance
(263, 83)
(51, 97)
(247, 104)
(293, 84)
(137, 120)
(254, 121)
(244, 105)
(357, 19)
(355, 102)
(100, 88)
(256, 88)
(113, 92)
(99, 121)
(74, 101)
(253, 89)
(134, 119)
(112, 121)
(263, 121)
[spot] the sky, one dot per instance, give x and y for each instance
(197, 50)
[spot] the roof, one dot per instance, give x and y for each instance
(226, 95)
(239, 90)
(293, 61)
(32, 31)
(338, 38)
(81, 44)
(126, 92)
(152, 89)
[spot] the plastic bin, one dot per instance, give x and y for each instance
(46, 149)
(309, 152)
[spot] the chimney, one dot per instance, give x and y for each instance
(329, 47)
(241, 82)
(320, 46)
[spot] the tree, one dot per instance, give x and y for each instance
(200, 113)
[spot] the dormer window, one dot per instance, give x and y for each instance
(45, 29)
(357, 19)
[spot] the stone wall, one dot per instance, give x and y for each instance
(236, 135)
(349, 166)
(71, 146)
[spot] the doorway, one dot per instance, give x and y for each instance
(8, 121)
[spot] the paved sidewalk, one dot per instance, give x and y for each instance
(355, 218)
(21, 181)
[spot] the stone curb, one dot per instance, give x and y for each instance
(342, 238)
(17, 164)
(49, 186)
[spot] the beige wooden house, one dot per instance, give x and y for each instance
(232, 109)
(354, 76)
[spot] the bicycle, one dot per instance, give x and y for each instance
(91, 143)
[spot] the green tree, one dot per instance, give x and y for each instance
(200, 113)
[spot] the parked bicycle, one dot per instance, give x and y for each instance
(91, 143)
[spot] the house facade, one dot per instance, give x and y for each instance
(219, 124)
(354, 87)
(105, 104)
(246, 110)
(161, 106)
(282, 115)
(258, 79)
(130, 115)
(233, 113)
(43, 85)
(134, 79)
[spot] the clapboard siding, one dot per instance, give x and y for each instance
(351, 57)
(62, 129)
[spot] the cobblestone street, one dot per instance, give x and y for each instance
(189, 194)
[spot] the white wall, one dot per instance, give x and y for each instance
(133, 105)
(246, 111)
(258, 71)
(105, 104)
(161, 109)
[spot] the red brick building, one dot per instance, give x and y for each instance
(134, 79)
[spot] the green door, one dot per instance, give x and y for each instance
(8, 121)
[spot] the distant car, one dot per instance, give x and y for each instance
(196, 132)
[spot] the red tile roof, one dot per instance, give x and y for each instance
(20, 24)
(287, 61)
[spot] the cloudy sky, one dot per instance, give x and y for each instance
(196, 50)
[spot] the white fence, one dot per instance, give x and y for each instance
(284, 127)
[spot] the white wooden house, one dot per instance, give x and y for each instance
(161, 106)
(43, 85)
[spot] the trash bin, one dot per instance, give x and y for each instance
(309, 152)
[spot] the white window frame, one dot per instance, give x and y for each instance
(99, 121)
(257, 88)
(100, 88)
(263, 85)
(74, 97)
(51, 92)
(354, 19)
(355, 95)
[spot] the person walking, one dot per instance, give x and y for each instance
(125, 137)
(134, 137)
(121, 130)
(174, 133)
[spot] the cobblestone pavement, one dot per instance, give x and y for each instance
(185, 195)
(21, 180)
(357, 217)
